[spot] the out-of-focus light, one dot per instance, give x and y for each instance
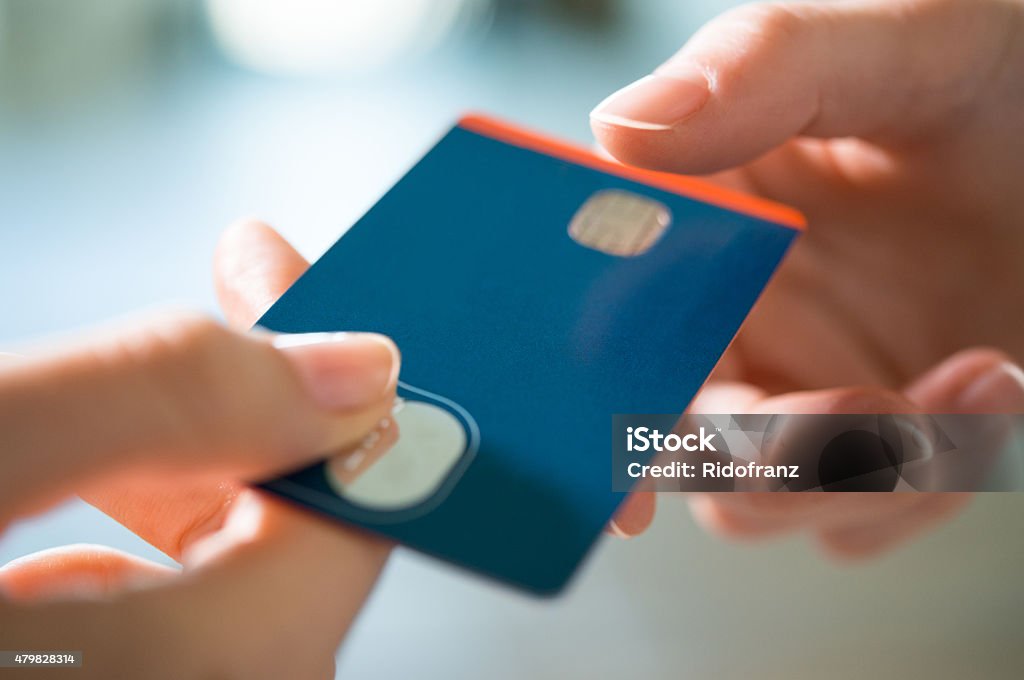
(330, 36)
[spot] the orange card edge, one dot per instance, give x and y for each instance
(683, 185)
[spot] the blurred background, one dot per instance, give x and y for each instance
(132, 132)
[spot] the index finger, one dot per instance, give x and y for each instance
(253, 266)
(765, 73)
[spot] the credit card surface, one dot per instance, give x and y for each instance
(534, 290)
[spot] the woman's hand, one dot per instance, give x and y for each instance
(153, 422)
(897, 127)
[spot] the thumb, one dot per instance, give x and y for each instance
(183, 393)
(764, 73)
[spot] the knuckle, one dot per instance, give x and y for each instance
(171, 339)
(187, 350)
(194, 336)
(180, 363)
(773, 22)
(768, 34)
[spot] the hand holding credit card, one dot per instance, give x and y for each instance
(534, 289)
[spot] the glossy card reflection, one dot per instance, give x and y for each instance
(534, 289)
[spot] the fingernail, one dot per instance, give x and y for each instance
(343, 371)
(615, 530)
(1000, 390)
(656, 102)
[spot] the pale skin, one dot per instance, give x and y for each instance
(151, 424)
(896, 127)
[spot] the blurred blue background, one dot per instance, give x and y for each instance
(132, 132)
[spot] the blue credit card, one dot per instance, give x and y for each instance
(534, 290)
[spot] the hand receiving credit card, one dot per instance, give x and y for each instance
(535, 289)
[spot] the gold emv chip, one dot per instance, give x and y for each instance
(619, 223)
